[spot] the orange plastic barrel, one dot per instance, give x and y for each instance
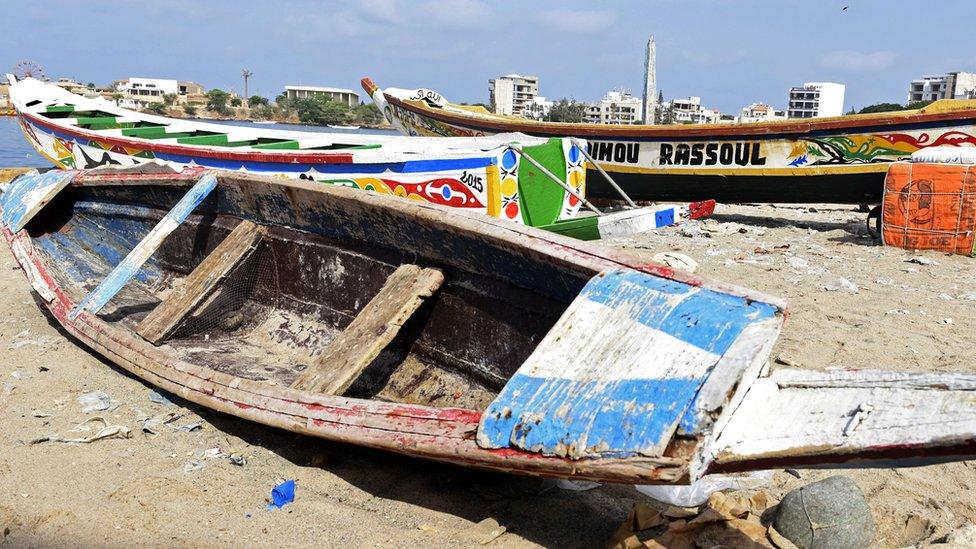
(930, 207)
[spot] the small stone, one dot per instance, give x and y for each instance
(947, 321)
(831, 513)
(231, 321)
(945, 297)
(897, 312)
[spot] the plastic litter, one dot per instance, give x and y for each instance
(192, 466)
(159, 398)
(696, 494)
(678, 262)
(282, 494)
(106, 431)
(97, 401)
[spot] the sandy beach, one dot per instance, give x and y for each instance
(853, 304)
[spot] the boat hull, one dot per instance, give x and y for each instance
(837, 160)
(485, 176)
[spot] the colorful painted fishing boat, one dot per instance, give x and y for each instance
(835, 160)
(447, 335)
(484, 175)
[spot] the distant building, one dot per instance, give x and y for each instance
(688, 110)
(73, 87)
(954, 85)
(339, 95)
(616, 107)
(760, 112)
(512, 93)
(142, 92)
(538, 109)
(816, 100)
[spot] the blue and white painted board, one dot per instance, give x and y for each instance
(127, 268)
(638, 220)
(619, 369)
(28, 194)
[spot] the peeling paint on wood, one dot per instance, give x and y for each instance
(619, 369)
(125, 270)
(28, 194)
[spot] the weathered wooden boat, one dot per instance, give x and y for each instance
(487, 175)
(444, 334)
(835, 160)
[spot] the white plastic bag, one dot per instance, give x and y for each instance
(696, 494)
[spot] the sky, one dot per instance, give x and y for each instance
(728, 52)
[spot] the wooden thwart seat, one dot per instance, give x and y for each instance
(201, 283)
(376, 325)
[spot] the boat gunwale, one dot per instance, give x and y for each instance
(768, 130)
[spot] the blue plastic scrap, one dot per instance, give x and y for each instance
(282, 494)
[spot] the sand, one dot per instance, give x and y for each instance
(152, 490)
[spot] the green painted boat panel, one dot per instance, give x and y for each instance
(583, 228)
(541, 197)
(289, 145)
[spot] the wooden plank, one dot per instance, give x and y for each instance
(27, 195)
(200, 283)
(621, 367)
(127, 268)
(9, 174)
(796, 417)
(371, 331)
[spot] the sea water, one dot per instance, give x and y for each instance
(15, 151)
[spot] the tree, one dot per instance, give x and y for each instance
(257, 101)
(567, 110)
(264, 112)
(918, 105)
(881, 107)
(117, 97)
(217, 101)
(157, 108)
(236, 102)
(320, 110)
(190, 110)
(367, 114)
(169, 99)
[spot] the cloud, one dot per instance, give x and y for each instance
(578, 21)
(853, 61)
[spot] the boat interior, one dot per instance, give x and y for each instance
(291, 306)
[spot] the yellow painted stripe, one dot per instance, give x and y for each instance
(494, 191)
(816, 170)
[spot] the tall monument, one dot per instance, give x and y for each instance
(650, 81)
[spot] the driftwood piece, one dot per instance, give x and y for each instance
(200, 283)
(371, 331)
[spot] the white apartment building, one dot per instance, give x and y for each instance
(512, 93)
(141, 92)
(616, 107)
(688, 110)
(954, 85)
(760, 112)
(340, 95)
(537, 109)
(816, 100)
